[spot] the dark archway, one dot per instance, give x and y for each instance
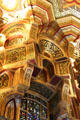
(49, 66)
(10, 108)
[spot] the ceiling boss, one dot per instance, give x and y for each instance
(9, 5)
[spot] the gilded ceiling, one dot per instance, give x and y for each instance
(35, 37)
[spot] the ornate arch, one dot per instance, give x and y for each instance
(6, 97)
(46, 45)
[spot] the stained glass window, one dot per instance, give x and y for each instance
(43, 113)
(33, 108)
(23, 110)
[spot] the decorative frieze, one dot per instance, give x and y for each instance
(15, 55)
(51, 48)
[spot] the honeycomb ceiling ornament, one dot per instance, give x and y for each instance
(62, 30)
(66, 7)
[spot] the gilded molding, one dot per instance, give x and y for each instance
(46, 45)
(4, 80)
(15, 55)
